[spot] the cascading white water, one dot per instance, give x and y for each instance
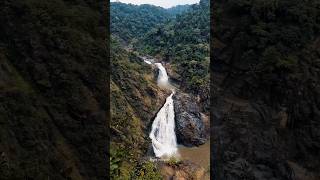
(164, 141)
(162, 134)
(146, 60)
(163, 76)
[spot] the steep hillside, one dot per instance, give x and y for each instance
(53, 76)
(184, 42)
(135, 100)
(130, 22)
(135, 97)
(266, 77)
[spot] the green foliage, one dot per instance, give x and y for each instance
(184, 41)
(267, 39)
(52, 84)
(147, 170)
(133, 103)
(269, 55)
(173, 162)
(115, 160)
(179, 35)
(179, 9)
(120, 169)
(122, 162)
(289, 63)
(129, 22)
(267, 35)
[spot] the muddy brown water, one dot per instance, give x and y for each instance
(198, 155)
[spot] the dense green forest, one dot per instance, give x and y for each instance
(184, 42)
(179, 9)
(135, 96)
(130, 22)
(53, 90)
(266, 77)
(265, 81)
(134, 99)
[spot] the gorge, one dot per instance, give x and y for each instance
(152, 116)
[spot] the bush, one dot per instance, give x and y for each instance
(147, 170)
(173, 162)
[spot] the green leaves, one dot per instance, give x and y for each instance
(184, 42)
(147, 170)
(131, 21)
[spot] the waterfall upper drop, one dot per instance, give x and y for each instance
(164, 141)
(163, 76)
(146, 60)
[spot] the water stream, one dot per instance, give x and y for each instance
(163, 135)
(164, 141)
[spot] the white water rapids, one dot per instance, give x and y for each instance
(164, 141)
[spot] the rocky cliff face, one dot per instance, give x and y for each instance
(53, 90)
(190, 129)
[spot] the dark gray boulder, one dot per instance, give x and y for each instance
(190, 129)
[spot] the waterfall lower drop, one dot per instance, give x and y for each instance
(164, 141)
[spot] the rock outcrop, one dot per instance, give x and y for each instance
(190, 129)
(181, 170)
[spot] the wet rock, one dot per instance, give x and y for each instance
(174, 76)
(183, 170)
(190, 128)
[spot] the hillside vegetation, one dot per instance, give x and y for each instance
(184, 42)
(53, 76)
(179, 9)
(266, 75)
(130, 22)
(135, 100)
(135, 97)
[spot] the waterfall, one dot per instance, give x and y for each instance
(146, 60)
(163, 76)
(163, 136)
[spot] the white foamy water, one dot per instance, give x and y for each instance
(148, 62)
(163, 136)
(163, 76)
